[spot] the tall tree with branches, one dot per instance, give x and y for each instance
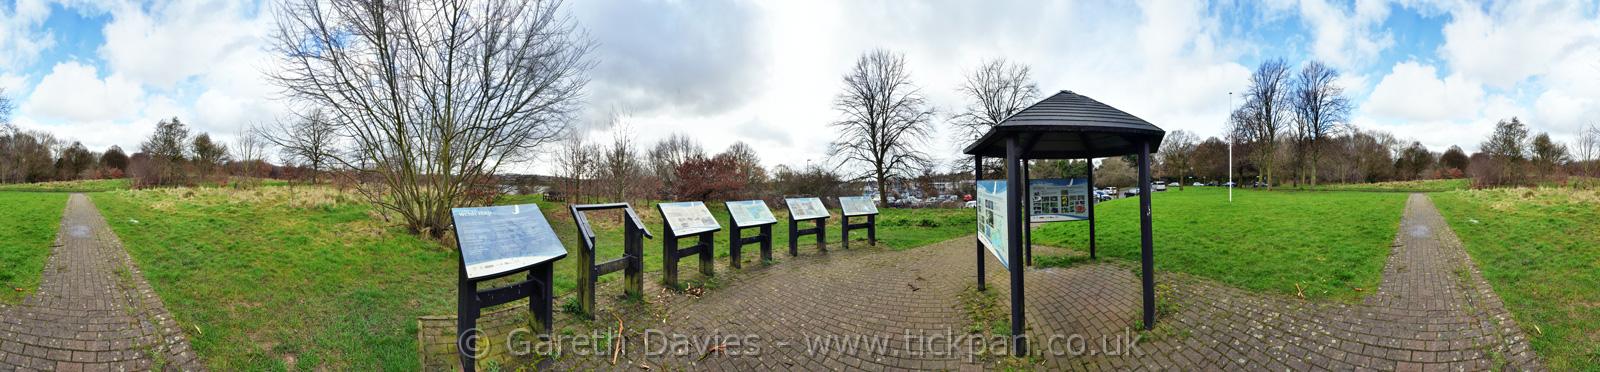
(1320, 108)
(434, 94)
(1177, 154)
(1588, 148)
(1267, 100)
(885, 119)
(309, 140)
(994, 92)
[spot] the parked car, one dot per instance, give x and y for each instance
(1198, 184)
(971, 204)
(1130, 192)
(1158, 186)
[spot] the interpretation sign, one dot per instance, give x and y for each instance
(992, 219)
(1059, 199)
(806, 208)
(857, 205)
(689, 218)
(495, 240)
(750, 213)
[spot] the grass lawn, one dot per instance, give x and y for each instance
(70, 186)
(1330, 243)
(306, 278)
(1540, 250)
(28, 225)
(1400, 186)
(284, 278)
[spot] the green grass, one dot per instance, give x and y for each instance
(1399, 186)
(1330, 243)
(302, 278)
(898, 229)
(28, 225)
(1540, 250)
(70, 186)
(284, 278)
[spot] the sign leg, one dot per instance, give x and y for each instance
(872, 230)
(1146, 251)
(633, 248)
(766, 243)
(669, 261)
(822, 234)
(542, 304)
(794, 239)
(734, 246)
(708, 264)
(977, 175)
(466, 324)
(844, 232)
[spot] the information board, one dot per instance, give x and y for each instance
(992, 219)
(857, 205)
(806, 208)
(495, 240)
(688, 218)
(750, 213)
(1058, 199)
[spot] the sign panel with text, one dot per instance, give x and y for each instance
(857, 205)
(495, 240)
(750, 213)
(992, 219)
(1058, 199)
(806, 208)
(689, 218)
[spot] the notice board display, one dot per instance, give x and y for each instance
(857, 205)
(495, 240)
(992, 219)
(750, 213)
(806, 208)
(1058, 199)
(688, 218)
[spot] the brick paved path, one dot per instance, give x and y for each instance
(93, 310)
(1433, 311)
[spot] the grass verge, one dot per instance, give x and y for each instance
(1398, 186)
(1330, 243)
(70, 186)
(28, 225)
(1540, 250)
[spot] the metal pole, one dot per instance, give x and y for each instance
(1092, 201)
(1027, 216)
(1016, 189)
(1146, 251)
(977, 175)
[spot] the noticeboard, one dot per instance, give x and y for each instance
(750, 213)
(495, 240)
(801, 209)
(992, 219)
(1058, 199)
(687, 218)
(857, 205)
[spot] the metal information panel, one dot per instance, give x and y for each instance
(992, 219)
(688, 218)
(857, 205)
(1058, 199)
(750, 213)
(806, 208)
(495, 240)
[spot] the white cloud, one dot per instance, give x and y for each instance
(1346, 39)
(177, 40)
(1515, 40)
(75, 92)
(21, 40)
(1413, 91)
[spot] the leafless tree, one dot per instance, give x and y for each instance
(748, 163)
(6, 106)
(1320, 108)
(307, 139)
(1266, 102)
(667, 155)
(435, 94)
(576, 162)
(994, 92)
(1588, 148)
(1177, 153)
(885, 119)
(249, 151)
(619, 163)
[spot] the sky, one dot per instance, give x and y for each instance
(767, 72)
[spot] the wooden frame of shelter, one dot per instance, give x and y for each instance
(1065, 126)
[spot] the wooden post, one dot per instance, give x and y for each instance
(1146, 250)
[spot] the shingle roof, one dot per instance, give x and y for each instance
(1068, 125)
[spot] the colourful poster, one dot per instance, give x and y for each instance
(750, 213)
(1058, 199)
(992, 219)
(688, 217)
(857, 205)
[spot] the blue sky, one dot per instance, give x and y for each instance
(1439, 72)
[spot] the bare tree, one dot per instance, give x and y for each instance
(994, 92)
(619, 163)
(576, 161)
(309, 139)
(1265, 107)
(6, 106)
(885, 119)
(667, 155)
(208, 154)
(748, 163)
(1177, 153)
(1320, 109)
(249, 149)
(1588, 148)
(435, 94)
